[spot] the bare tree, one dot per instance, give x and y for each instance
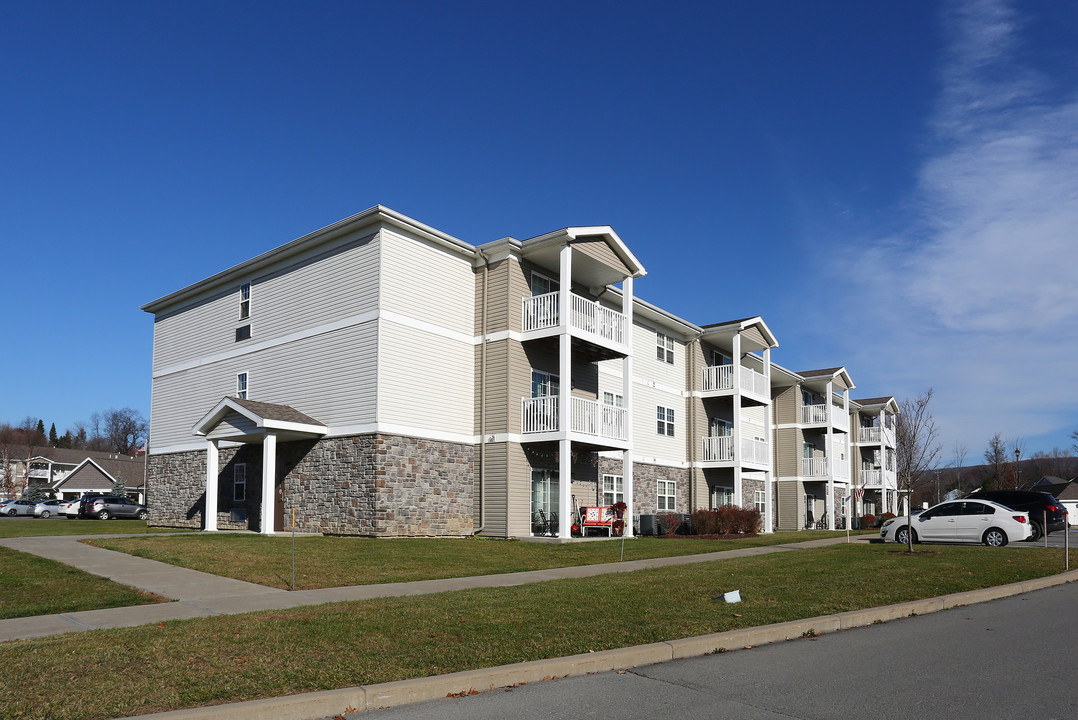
(125, 430)
(958, 452)
(995, 458)
(917, 438)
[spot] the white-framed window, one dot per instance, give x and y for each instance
(541, 284)
(545, 491)
(544, 384)
(664, 348)
(239, 482)
(664, 420)
(613, 399)
(245, 301)
(241, 386)
(666, 495)
(721, 496)
(613, 489)
(759, 500)
(721, 427)
(718, 358)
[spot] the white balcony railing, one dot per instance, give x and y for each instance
(717, 377)
(871, 477)
(719, 448)
(813, 414)
(587, 417)
(542, 311)
(870, 434)
(755, 451)
(814, 467)
(842, 469)
(840, 417)
(754, 382)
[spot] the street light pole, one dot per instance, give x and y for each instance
(937, 487)
(1017, 468)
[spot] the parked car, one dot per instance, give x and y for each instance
(112, 506)
(69, 508)
(20, 507)
(4, 504)
(47, 508)
(1037, 505)
(968, 521)
(84, 503)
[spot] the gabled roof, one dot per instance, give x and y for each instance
(557, 237)
(732, 327)
(75, 476)
(264, 416)
(835, 373)
(882, 403)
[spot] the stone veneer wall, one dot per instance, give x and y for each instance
(645, 484)
(372, 485)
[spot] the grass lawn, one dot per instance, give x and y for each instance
(334, 561)
(30, 585)
(37, 527)
(224, 659)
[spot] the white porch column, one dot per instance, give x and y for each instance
(565, 393)
(269, 475)
(627, 394)
(739, 499)
(829, 501)
(768, 474)
(209, 519)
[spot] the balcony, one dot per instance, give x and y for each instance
(719, 378)
(869, 434)
(587, 417)
(872, 478)
(817, 415)
(814, 467)
(721, 449)
(542, 312)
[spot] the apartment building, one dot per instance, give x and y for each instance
(873, 458)
(380, 377)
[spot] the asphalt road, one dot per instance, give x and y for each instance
(1006, 659)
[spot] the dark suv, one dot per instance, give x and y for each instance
(112, 506)
(1040, 506)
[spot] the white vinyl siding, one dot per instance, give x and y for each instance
(330, 377)
(646, 441)
(428, 283)
(647, 365)
(314, 289)
(425, 381)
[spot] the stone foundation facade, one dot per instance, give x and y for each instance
(646, 486)
(370, 485)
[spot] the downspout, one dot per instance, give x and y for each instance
(694, 429)
(483, 397)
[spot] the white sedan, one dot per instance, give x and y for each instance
(963, 521)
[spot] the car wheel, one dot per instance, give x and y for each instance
(1038, 532)
(142, 515)
(72, 517)
(45, 513)
(12, 513)
(994, 537)
(103, 515)
(902, 536)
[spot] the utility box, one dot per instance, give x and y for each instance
(646, 525)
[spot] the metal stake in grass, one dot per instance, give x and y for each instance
(293, 548)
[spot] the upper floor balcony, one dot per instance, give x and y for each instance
(814, 467)
(720, 449)
(876, 435)
(723, 379)
(587, 319)
(588, 419)
(817, 415)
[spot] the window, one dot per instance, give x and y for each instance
(545, 491)
(239, 482)
(666, 495)
(717, 358)
(541, 284)
(544, 384)
(759, 501)
(613, 400)
(664, 348)
(245, 301)
(721, 428)
(664, 421)
(243, 332)
(241, 386)
(613, 489)
(721, 496)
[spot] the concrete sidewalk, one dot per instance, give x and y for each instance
(198, 594)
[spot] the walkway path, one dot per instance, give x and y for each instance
(198, 594)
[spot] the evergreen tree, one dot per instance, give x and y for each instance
(53, 440)
(41, 427)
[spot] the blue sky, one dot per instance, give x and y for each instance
(891, 186)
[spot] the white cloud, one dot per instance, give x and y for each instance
(982, 285)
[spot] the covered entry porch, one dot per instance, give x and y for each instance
(239, 421)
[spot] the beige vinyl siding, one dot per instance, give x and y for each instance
(495, 489)
(425, 380)
(508, 382)
(330, 377)
(790, 499)
(645, 363)
(786, 403)
(754, 335)
(427, 282)
(597, 248)
(787, 451)
(316, 288)
(519, 487)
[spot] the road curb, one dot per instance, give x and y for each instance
(328, 703)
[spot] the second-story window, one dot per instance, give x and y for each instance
(245, 301)
(664, 348)
(541, 284)
(613, 400)
(664, 420)
(241, 386)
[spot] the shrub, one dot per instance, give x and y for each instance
(705, 522)
(868, 520)
(727, 520)
(884, 518)
(668, 522)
